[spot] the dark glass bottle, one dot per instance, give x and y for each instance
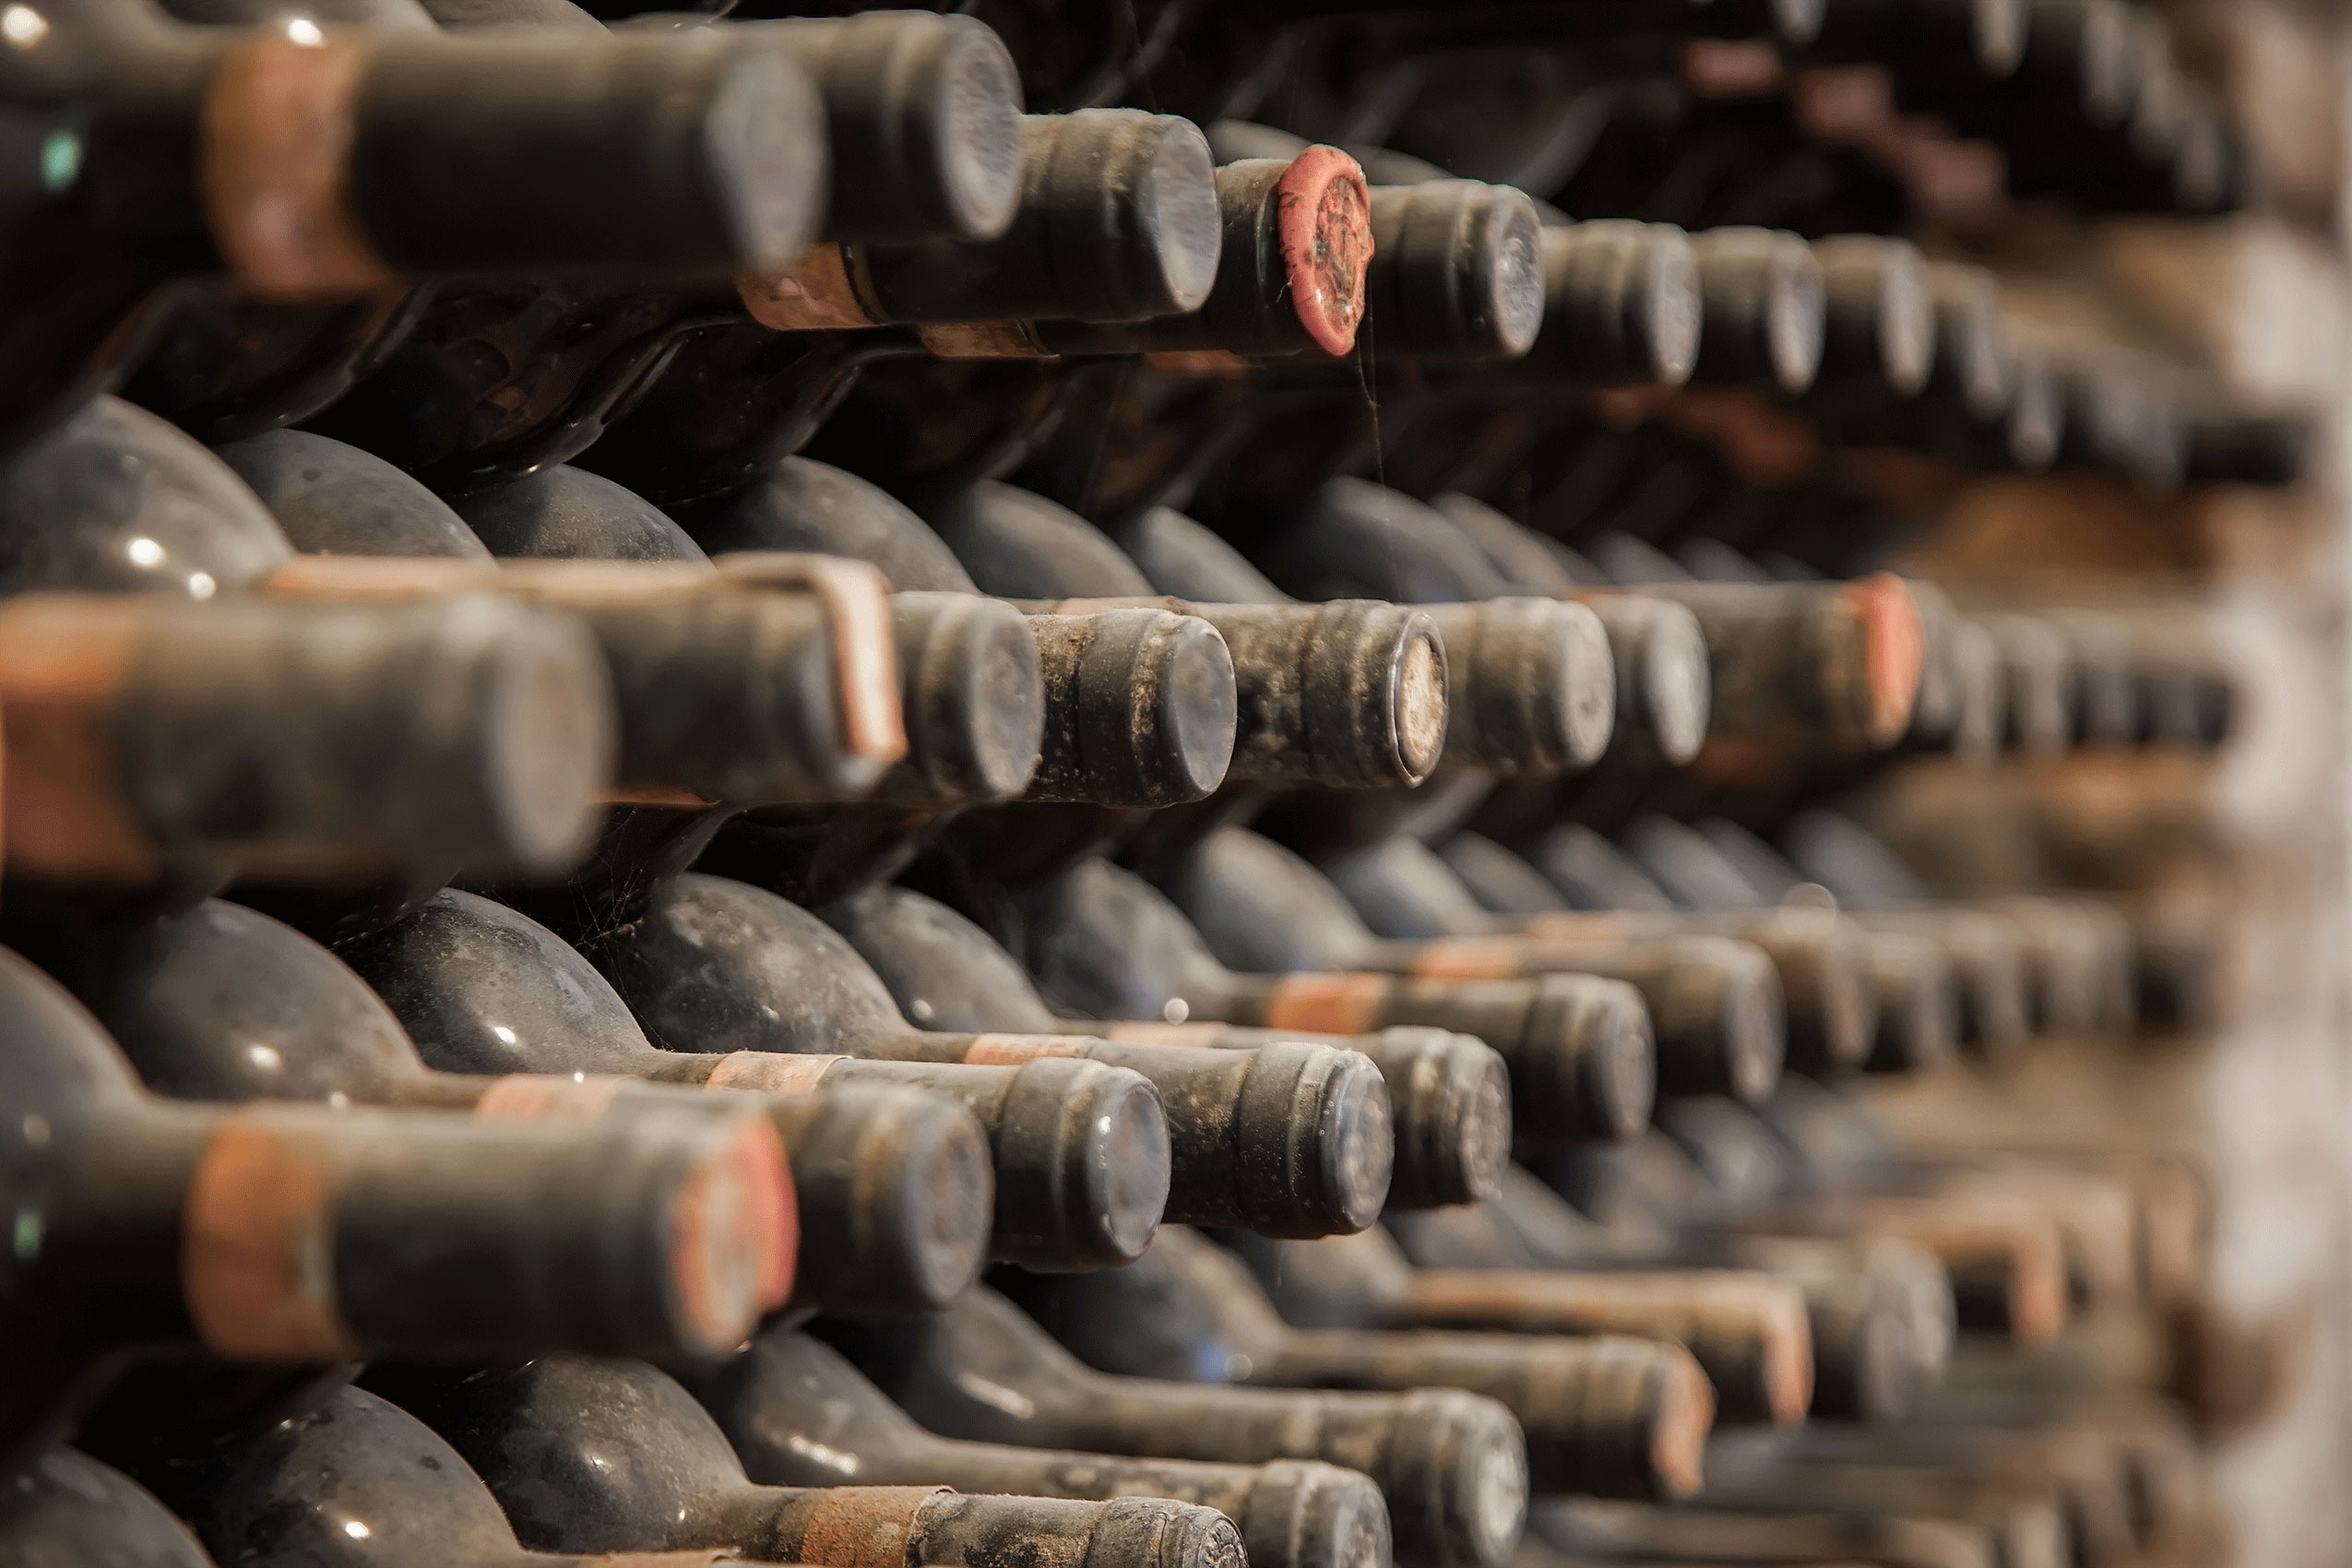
(275, 738)
(1116, 221)
(1289, 1138)
(1449, 1095)
(357, 1483)
(1102, 941)
(319, 177)
(970, 692)
(297, 743)
(1716, 1003)
(602, 1456)
(1450, 1463)
(1608, 1417)
(298, 1234)
(1747, 1329)
(798, 1414)
(1530, 686)
(1137, 705)
(1350, 696)
(65, 1510)
(1078, 1146)
(1406, 892)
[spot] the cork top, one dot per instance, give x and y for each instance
(1323, 225)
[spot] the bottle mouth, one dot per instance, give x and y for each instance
(1129, 1167)
(737, 1225)
(1323, 224)
(1492, 1468)
(1422, 706)
(1357, 1135)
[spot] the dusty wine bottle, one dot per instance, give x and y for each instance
(1714, 1003)
(1104, 942)
(1449, 1095)
(601, 1456)
(303, 743)
(922, 114)
(1832, 665)
(1348, 696)
(358, 1483)
(1763, 309)
(1117, 220)
(64, 1507)
(1606, 1417)
(1747, 1329)
(791, 1398)
(773, 678)
(896, 1186)
(1878, 315)
(1621, 306)
(1296, 240)
(1078, 1146)
(1404, 891)
(1292, 1138)
(301, 1234)
(969, 694)
(1451, 1464)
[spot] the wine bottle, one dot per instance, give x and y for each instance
(150, 738)
(1449, 1095)
(971, 697)
(1103, 942)
(1603, 1417)
(771, 679)
(790, 1398)
(1834, 665)
(1747, 1329)
(1349, 695)
(602, 1456)
(499, 382)
(1295, 241)
(1622, 305)
(1457, 273)
(1117, 220)
(1878, 318)
(2076, 953)
(1153, 681)
(629, 156)
(1529, 686)
(331, 498)
(63, 1508)
(191, 527)
(1986, 950)
(1715, 1004)
(1879, 1311)
(1078, 1146)
(1292, 1139)
(923, 119)
(297, 1234)
(1404, 891)
(224, 1003)
(360, 1484)
(2023, 1527)
(1613, 1532)
(1915, 979)
(1763, 309)
(1452, 1464)
(895, 1183)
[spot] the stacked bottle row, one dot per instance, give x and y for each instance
(757, 811)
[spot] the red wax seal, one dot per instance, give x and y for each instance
(1894, 650)
(1322, 219)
